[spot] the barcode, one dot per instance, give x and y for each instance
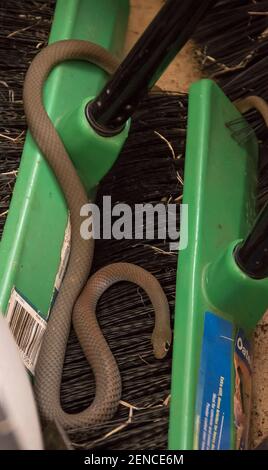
(27, 327)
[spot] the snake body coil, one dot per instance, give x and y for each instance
(75, 302)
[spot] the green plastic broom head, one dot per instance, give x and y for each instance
(217, 303)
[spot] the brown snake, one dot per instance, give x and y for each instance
(253, 102)
(77, 298)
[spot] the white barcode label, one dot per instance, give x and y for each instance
(28, 328)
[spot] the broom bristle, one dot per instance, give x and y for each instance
(233, 46)
(24, 29)
(232, 35)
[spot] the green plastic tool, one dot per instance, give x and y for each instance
(217, 304)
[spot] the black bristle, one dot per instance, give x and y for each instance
(233, 45)
(232, 36)
(24, 29)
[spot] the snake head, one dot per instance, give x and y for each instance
(161, 341)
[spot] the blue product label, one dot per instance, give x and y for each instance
(243, 349)
(214, 401)
(242, 389)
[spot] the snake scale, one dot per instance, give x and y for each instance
(77, 298)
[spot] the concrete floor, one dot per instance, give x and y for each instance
(180, 74)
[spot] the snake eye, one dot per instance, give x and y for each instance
(167, 346)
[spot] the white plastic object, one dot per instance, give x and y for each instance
(17, 402)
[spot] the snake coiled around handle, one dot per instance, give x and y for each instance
(78, 296)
